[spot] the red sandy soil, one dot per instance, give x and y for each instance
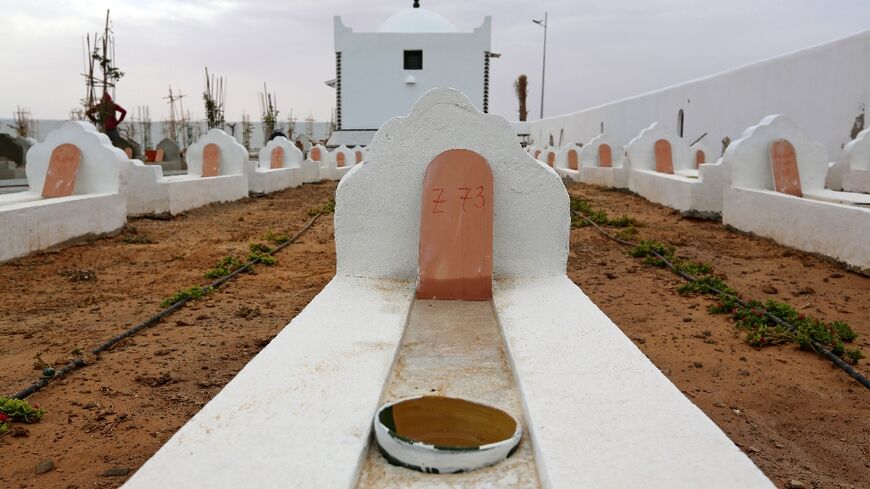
(796, 416)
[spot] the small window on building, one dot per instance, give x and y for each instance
(413, 60)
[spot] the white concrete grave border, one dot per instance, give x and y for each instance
(689, 190)
(300, 412)
(29, 222)
(819, 222)
(264, 179)
(591, 171)
(150, 192)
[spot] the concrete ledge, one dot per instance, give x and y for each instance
(834, 230)
(28, 226)
(266, 181)
(186, 192)
(681, 192)
(605, 177)
(299, 414)
(600, 414)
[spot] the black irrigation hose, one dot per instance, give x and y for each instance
(818, 348)
(80, 362)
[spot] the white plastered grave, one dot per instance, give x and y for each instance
(856, 155)
(150, 192)
(689, 189)
(29, 222)
(591, 171)
(263, 179)
(563, 159)
(311, 164)
(329, 169)
(822, 221)
(300, 412)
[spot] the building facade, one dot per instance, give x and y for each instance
(379, 75)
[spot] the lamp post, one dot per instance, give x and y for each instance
(543, 23)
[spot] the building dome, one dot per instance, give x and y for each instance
(416, 20)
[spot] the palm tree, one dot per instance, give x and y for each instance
(521, 86)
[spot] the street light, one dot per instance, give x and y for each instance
(543, 23)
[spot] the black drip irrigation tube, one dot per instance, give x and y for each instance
(821, 350)
(80, 362)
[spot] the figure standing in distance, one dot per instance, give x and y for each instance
(104, 114)
(276, 133)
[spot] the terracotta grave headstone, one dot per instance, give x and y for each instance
(276, 159)
(359, 156)
(455, 258)
(537, 154)
(551, 158)
(158, 156)
(211, 159)
(783, 163)
(60, 179)
(315, 154)
(605, 156)
(700, 158)
(339, 159)
(129, 152)
(573, 162)
(664, 158)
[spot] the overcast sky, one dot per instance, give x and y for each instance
(598, 51)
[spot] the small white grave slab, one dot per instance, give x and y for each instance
(279, 166)
(336, 164)
(597, 169)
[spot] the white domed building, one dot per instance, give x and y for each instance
(380, 75)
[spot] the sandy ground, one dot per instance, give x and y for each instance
(796, 416)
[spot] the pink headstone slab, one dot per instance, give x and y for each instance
(158, 157)
(551, 158)
(211, 160)
(63, 166)
(700, 158)
(605, 156)
(783, 163)
(359, 156)
(339, 159)
(315, 154)
(664, 158)
(129, 152)
(456, 228)
(537, 154)
(276, 159)
(573, 162)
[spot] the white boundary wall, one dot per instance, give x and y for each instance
(825, 87)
